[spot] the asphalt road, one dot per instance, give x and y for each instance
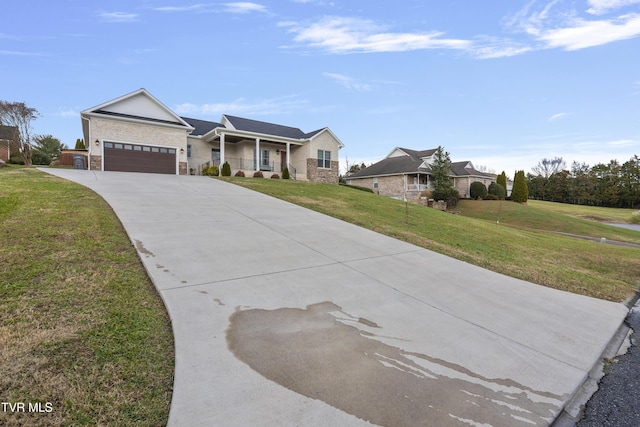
(617, 402)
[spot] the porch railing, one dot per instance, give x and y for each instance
(417, 187)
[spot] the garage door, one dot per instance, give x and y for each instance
(139, 158)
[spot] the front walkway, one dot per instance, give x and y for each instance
(284, 316)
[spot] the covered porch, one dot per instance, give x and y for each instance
(249, 152)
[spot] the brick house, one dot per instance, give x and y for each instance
(406, 173)
(137, 133)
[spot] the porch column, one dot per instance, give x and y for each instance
(288, 156)
(221, 150)
(257, 154)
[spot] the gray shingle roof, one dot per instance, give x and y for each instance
(397, 165)
(265, 128)
(460, 169)
(413, 163)
(202, 127)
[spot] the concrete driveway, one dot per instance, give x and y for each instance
(283, 316)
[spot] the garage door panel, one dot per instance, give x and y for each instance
(139, 158)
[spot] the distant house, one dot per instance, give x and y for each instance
(8, 141)
(405, 173)
(137, 133)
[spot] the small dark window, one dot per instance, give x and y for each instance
(128, 147)
(117, 146)
(155, 149)
(108, 145)
(163, 150)
(172, 151)
(324, 159)
(146, 148)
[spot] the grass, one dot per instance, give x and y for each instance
(554, 217)
(524, 245)
(81, 326)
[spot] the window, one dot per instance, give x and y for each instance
(145, 148)
(215, 156)
(108, 145)
(375, 182)
(264, 161)
(137, 148)
(188, 150)
(155, 150)
(118, 146)
(163, 150)
(324, 159)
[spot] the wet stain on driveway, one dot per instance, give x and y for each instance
(324, 353)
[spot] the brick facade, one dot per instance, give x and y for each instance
(182, 168)
(95, 162)
(316, 174)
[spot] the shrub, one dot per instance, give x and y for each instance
(258, 174)
(285, 173)
(226, 169)
(491, 197)
(635, 218)
(240, 174)
(275, 176)
(520, 191)
(54, 164)
(448, 194)
(425, 193)
(497, 190)
(478, 190)
(210, 171)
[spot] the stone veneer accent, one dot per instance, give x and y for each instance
(95, 162)
(182, 168)
(316, 174)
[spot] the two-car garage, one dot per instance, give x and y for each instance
(126, 157)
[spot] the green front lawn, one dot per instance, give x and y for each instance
(82, 327)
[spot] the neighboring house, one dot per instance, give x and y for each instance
(405, 173)
(8, 138)
(137, 133)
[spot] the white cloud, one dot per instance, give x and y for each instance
(22, 53)
(191, 8)
(600, 7)
(283, 105)
(557, 116)
(347, 35)
(118, 16)
(583, 34)
(68, 112)
(348, 82)
(244, 7)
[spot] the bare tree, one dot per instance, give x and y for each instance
(18, 115)
(547, 167)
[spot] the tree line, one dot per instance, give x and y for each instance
(612, 184)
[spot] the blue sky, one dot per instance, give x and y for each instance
(503, 83)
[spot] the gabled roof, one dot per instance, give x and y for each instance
(406, 161)
(201, 127)
(256, 126)
(397, 164)
(139, 105)
(466, 169)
